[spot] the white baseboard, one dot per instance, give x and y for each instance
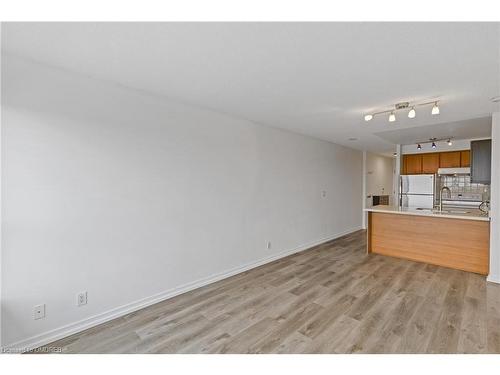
(70, 329)
(493, 279)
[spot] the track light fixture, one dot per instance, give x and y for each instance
(412, 113)
(433, 142)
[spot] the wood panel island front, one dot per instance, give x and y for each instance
(454, 239)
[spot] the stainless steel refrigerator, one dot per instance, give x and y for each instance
(417, 191)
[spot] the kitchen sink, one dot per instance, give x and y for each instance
(445, 211)
(451, 212)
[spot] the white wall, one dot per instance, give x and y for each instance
(364, 199)
(494, 275)
(134, 198)
(1, 225)
(396, 175)
(379, 176)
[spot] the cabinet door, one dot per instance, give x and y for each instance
(413, 164)
(404, 160)
(430, 163)
(465, 158)
(449, 159)
(480, 161)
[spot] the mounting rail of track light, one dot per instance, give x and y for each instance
(412, 113)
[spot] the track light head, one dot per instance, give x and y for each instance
(435, 109)
(392, 117)
(368, 117)
(419, 147)
(412, 113)
(450, 142)
(434, 145)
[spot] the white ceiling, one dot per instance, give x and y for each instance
(466, 129)
(313, 78)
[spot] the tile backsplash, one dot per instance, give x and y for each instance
(462, 189)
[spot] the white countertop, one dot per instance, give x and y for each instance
(472, 214)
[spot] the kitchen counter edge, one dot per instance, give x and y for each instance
(406, 211)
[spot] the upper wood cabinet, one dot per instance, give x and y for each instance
(413, 164)
(465, 158)
(449, 159)
(480, 171)
(430, 163)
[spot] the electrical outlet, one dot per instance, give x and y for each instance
(268, 245)
(39, 312)
(81, 299)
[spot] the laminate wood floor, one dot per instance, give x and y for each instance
(333, 298)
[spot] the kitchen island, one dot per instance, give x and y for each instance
(451, 238)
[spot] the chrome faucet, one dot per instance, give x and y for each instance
(441, 196)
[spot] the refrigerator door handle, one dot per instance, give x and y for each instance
(434, 191)
(400, 191)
